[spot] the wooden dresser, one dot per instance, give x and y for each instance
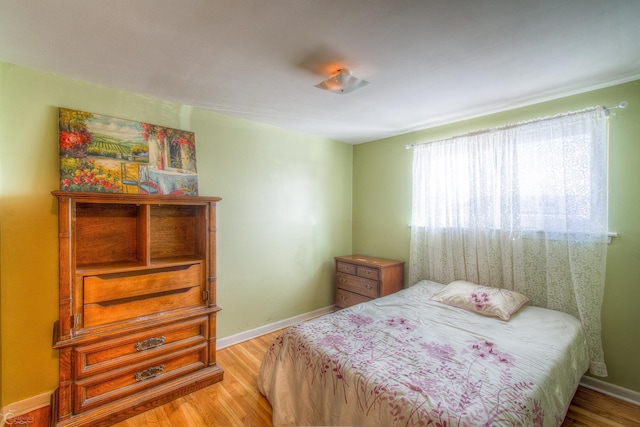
(137, 325)
(361, 278)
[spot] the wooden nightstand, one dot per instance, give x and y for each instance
(361, 278)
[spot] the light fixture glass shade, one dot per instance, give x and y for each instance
(342, 82)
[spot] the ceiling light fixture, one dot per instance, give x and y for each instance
(342, 82)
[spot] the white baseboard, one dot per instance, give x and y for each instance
(266, 329)
(27, 405)
(611, 390)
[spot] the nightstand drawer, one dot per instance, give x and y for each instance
(346, 299)
(107, 355)
(368, 272)
(99, 389)
(357, 285)
(343, 267)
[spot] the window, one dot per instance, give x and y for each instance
(523, 207)
(530, 178)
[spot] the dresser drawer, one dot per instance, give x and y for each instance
(343, 267)
(346, 299)
(357, 285)
(113, 287)
(110, 354)
(100, 389)
(111, 298)
(101, 314)
(368, 272)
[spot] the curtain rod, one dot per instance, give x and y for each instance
(622, 104)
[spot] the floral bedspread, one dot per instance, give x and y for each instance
(403, 360)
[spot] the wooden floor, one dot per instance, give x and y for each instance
(236, 402)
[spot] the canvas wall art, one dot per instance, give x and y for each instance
(106, 154)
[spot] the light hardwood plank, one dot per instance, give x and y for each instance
(591, 408)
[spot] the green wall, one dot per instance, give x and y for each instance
(285, 212)
(382, 209)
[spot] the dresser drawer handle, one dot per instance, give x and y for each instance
(149, 373)
(343, 280)
(149, 343)
(369, 286)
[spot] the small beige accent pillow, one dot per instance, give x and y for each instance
(496, 302)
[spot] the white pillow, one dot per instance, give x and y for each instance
(496, 302)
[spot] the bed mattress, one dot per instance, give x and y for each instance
(404, 360)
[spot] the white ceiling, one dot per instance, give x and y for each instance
(429, 62)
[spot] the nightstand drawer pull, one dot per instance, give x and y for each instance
(149, 343)
(149, 373)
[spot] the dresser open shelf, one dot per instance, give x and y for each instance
(137, 303)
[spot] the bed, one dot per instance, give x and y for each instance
(407, 360)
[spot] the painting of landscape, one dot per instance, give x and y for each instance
(105, 154)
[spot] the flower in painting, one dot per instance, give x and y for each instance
(147, 130)
(185, 142)
(74, 142)
(76, 175)
(73, 133)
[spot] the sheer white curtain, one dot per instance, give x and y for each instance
(522, 207)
